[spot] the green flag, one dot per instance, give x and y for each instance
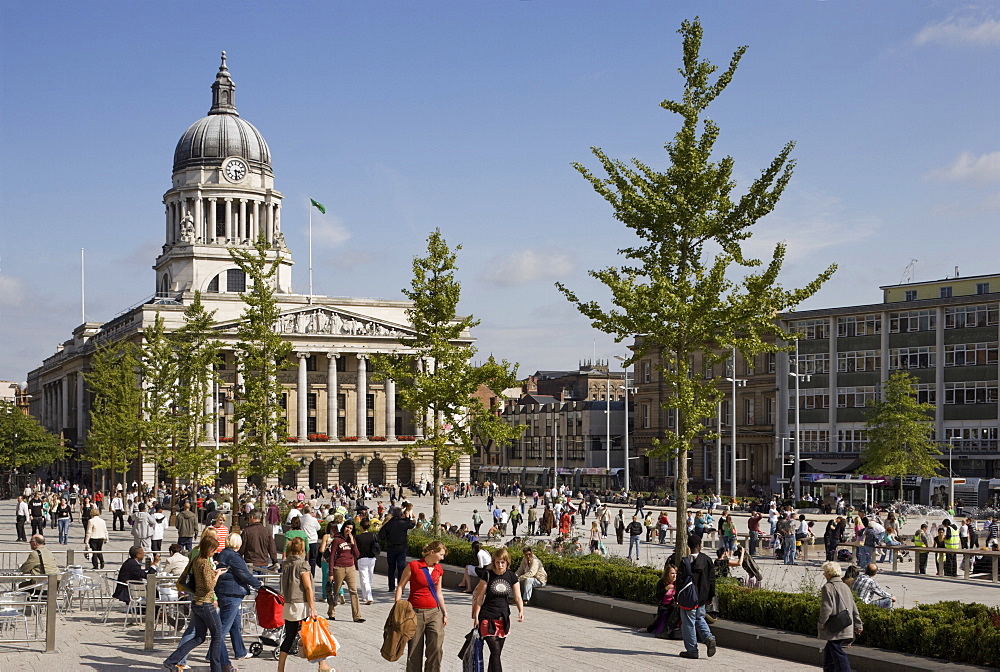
(319, 206)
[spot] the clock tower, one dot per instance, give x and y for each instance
(222, 196)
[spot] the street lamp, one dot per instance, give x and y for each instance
(628, 483)
(796, 475)
(607, 423)
(737, 382)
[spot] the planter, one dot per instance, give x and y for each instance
(376, 438)
(318, 437)
(406, 437)
(291, 439)
(348, 438)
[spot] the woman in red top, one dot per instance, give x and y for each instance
(343, 554)
(428, 604)
(564, 524)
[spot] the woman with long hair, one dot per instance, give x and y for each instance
(595, 537)
(424, 580)
(204, 615)
(342, 556)
(668, 619)
(491, 606)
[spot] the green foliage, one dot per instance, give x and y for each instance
(115, 433)
(671, 290)
(899, 433)
(24, 443)
(260, 350)
(436, 377)
(158, 368)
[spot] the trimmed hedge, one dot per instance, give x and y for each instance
(954, 631)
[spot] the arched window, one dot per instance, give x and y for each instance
(236, 280)
(164, 284)
(213, 287)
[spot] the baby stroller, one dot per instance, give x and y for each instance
(268, 604)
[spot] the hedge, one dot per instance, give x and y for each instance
(954, 631)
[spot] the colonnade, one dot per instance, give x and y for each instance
(242, 219)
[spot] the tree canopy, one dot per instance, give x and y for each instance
(25, 444)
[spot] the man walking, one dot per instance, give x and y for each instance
(37, 513)
(142, 528)
(393, 537)
(697, 569)
(21, 513)
(634, 530)
(258, 544)
(118, 512)
(786, 528)
(187, 526)
(753, 525)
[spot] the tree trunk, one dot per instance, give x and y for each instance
(436, 518)
(680, 492)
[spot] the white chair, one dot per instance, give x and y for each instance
(12, 607)
(136, 602)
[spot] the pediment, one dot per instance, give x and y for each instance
(327, 321)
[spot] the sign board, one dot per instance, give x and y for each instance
(958, 481)
(784, 480)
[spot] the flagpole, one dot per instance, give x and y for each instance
(310, 251)
(83, 290)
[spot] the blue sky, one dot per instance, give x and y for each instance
(405, 116)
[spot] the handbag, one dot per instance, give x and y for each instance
(837, 622)
(317, 642)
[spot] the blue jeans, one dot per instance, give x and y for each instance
(788, 547)
(397, 562)
(527, 586)
(229, 615)
(865, 555)
(693, 626)
(834, 658)
(204, 620)
(633, 540)
(64, 530)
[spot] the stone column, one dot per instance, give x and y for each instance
(269, 215)
(362, 391)
(64, 394)
(81, 418)
(213, 212)
(302, 392)
(199, 220)
(229, 219)
(390, 409)
(169, 239)
(332, 389)
(277, 218)
(244, 224)
(255, 221)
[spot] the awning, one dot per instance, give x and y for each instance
(834, 465)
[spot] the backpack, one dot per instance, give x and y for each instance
(687, 598)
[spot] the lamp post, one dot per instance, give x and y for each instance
(607, 424)
(951, 480)
(796, 474)
(737, 382)
(628, 482)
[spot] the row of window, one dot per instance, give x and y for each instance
(855, 440)
(958, 317)
(960, 393)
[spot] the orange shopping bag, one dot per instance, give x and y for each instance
(316, 640)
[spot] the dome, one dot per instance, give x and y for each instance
(210, 139)
(222, 133)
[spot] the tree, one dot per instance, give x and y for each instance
(899, 433)
(436, 378)
(259, 448)
(25, 444)
(115, 434)
(158, 366)
(675, 292)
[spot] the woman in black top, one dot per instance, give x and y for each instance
(490, 606)
(64, 516)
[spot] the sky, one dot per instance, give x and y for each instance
(403, 116)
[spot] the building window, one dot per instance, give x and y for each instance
(970, 354)
(818, 363)
(647, 374)
(945, 292)
(926, 393)
(748, 415)
(772, 362)
(811, 397)
(815, 441)
(911, 295)
(972, 438)
(213, 286)
(311, 362)
(971, 392)
(923, 357)
(283, 402)
(311, 424)
(671, 418)
(811, 330)
(236, 280)
(222, 428)
(859, 360)
(859, 325)
(982, 288)
(369, 426)
(855, 397)
(912, 320)
(851, 440)
(769, 411)
(311, 401)
(972, 316)
(644, 416)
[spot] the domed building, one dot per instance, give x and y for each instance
(342, 426)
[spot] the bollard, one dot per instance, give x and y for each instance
(51, 606)
(70, 557)
(150, 616)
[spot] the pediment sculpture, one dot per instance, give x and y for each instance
(325, 321)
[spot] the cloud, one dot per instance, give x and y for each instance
(330, 231)
(12, 291)
(960, 32)
(971, 168)
(525, 266)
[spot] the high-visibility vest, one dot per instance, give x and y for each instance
(951, 538)
(918, 540)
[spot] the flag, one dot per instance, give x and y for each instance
(319, 206)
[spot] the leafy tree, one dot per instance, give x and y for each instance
(676, 292)
(259, 448)
(25, 444)
(899, 433)
(158, 367)
(115, 434)
(436, 379)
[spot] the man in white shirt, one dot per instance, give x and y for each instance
(772, 518)
(21, 514)
(293, 513)
(118, 511)
(311, 527)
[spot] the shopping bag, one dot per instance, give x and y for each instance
(317, 641)
(471, 652)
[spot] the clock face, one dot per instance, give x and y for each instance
(235, 170)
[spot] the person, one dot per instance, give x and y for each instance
(368, 551)
(477, 520)
(595, 537)
(118, 511)
(548, 521)
(296, 531)
(133, 570)
(648, 523)
(940, 541)
(423, 577)
(343, 554)
(297, 590)
(950, 542)
(204, 615)
(64, 516)
(491, 607)
(470, 579)
(393, 537)
(230, 590)
(21, 514)
(40, 560)
(835, 597)
(187, 526)
(564, 524)
(728, 529)
(94, 536)
(311, 526)
(993, 532)
(532, 520)
(634, 530)
(159, 527)
(667, 619)
(725, 560)
(831, 537)
(258, 548)
(698, 570)
(753, 526)
(869, 591)
(530, 574)
(142, 528)
(922, 539)
(221, 530)
(176, 561)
